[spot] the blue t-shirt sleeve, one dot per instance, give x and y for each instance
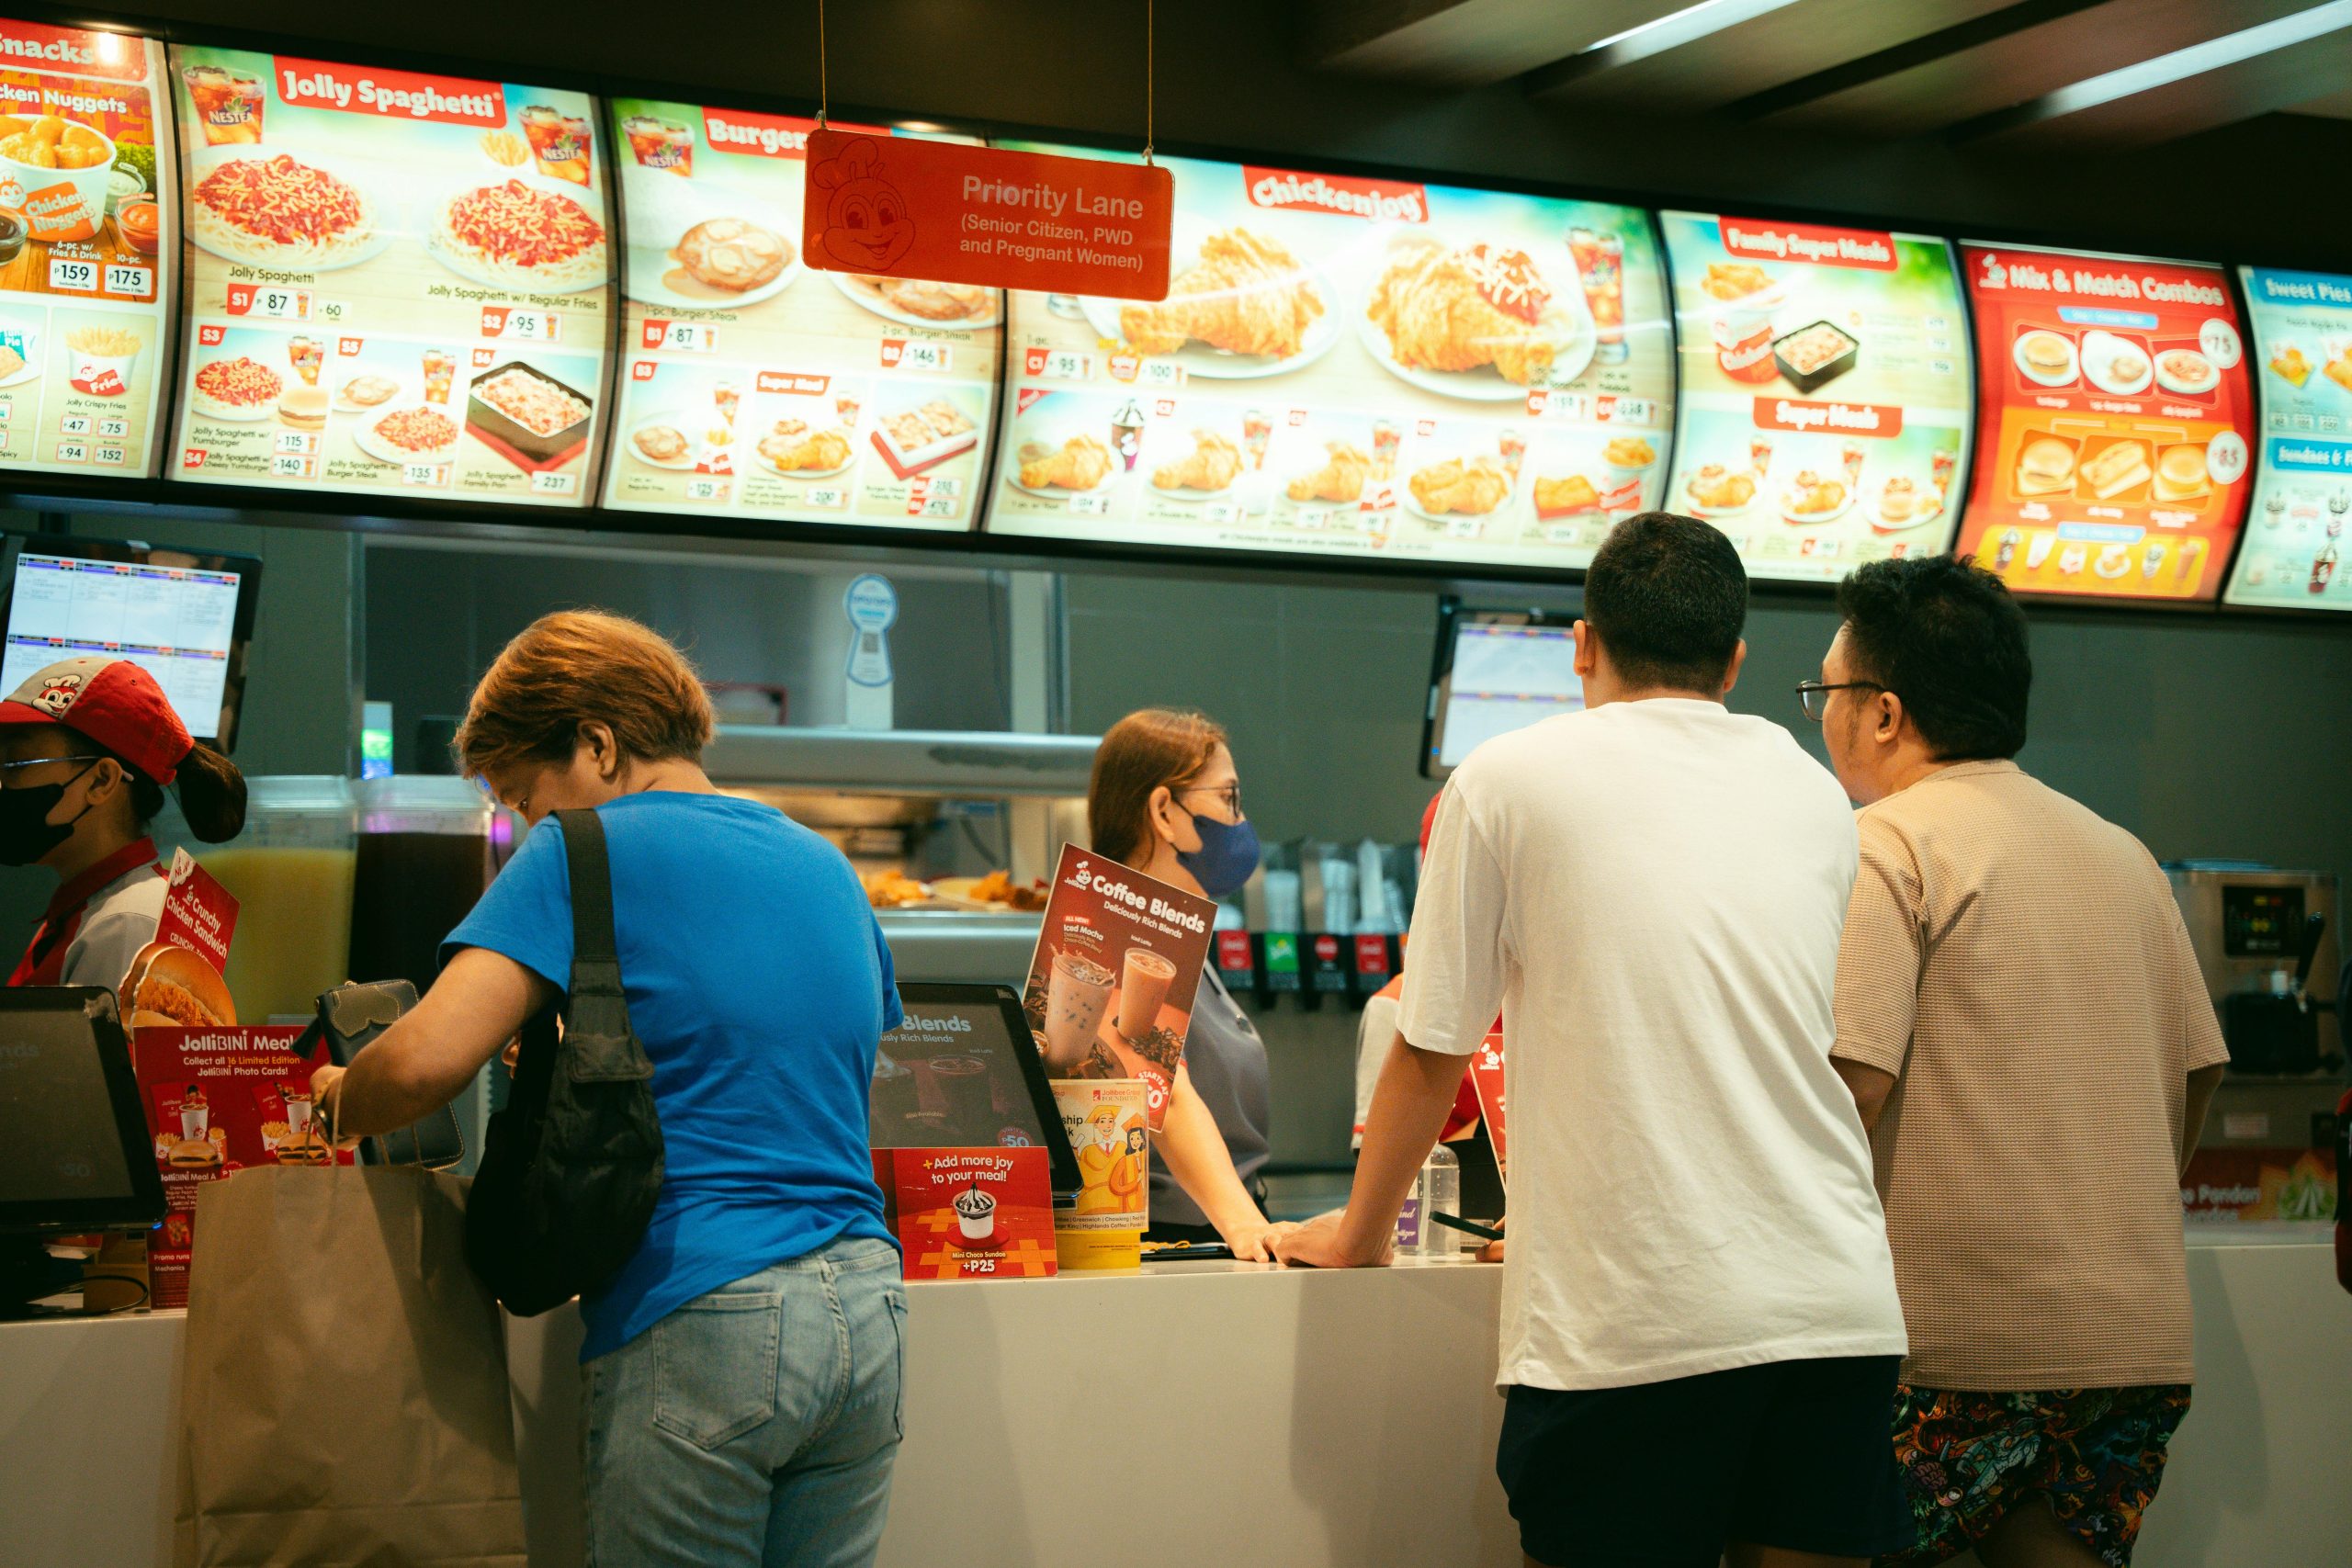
(525, 914)
(893, 1014)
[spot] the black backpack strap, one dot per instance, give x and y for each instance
(600, 1046)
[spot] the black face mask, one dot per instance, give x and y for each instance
(26, 831)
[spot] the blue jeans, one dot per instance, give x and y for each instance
(755, 1425)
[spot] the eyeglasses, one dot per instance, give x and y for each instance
(1229, 794)
(45, 762)
(1814, 695)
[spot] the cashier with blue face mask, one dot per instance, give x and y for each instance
(1166, 800)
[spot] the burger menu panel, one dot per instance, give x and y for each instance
(755, 386)
(398, 284)
(2294, 546)
(1346, 366)
(1824, 390)
(86, 219)
(2115, 410)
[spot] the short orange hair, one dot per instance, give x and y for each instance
(578, 666)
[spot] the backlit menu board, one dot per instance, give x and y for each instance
(87, 218)
(754, 386)
(2293, 550)
(1825, 390)
(397, 284)
(1350, 366)
(2116, 418)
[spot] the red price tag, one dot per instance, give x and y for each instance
(640, 370)
(493, 319)
(1165, 408)
(211, 336)
(347, 346)
(240, 298)
(482, 357)
(192, 459)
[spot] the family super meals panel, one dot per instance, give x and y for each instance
(399, 284)
(1351, 366)
(2117, 417)
(2292, 553)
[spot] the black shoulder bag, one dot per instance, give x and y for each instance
(570, 1167)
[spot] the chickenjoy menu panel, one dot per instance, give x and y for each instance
(755, 386)
(1350, 366)
(2292, 553)
(1826, 395)
(87, 225)
(2116, 412)
(397, 284)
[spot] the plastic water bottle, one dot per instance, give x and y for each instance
(1439, 1191)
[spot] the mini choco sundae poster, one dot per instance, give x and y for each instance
(1110, 991)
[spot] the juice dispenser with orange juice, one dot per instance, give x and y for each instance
(290, 871)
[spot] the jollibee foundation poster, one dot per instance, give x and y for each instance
(1110, 982)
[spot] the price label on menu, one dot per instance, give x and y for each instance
(1462, 528)
(706, 490)
(292, 466)
(425, 474)
(75, 424)
(139, 282)
(2226, 456)
(114, 428)
(297, 441)
(73, 452)
(1314, 518)
(827, 498)
(72, 274)
(1091, 505)
(1160, 373)
(935, 506)
(1058, 364)
(679, 337)
(897, 353)
(554, 484)
(521, 326)
(2221, 343)
(113, 455)
(279, 304)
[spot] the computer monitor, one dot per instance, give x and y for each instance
(185, 616)
(75, 1152)
(1496, 670)
(963, 1071)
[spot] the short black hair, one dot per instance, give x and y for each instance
(1944, 635)
(1667, 597)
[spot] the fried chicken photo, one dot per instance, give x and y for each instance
(1475, 488)
(1459, 309)
(1341, 478)
(793, 452)
(1080, 463)
(1574, 493)
(1247, 295)
(1214, 464)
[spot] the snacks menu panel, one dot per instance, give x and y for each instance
(398, 284)
(754, 386)
(2116, 412)
(1824, 390)
(2292, 554)
(1348, 367)
(88, 230)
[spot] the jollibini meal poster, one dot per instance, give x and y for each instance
(1353, 367)
(400, 284)
(755, 386)
(1110, 982)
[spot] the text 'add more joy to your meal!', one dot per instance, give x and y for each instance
(959, 214)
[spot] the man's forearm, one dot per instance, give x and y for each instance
(1416, 1089)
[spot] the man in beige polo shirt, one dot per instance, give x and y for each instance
(2030, 1043)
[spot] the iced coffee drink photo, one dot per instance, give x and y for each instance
(1078, 994)
(1143, 988)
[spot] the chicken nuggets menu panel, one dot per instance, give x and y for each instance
(2294, 545)
(87, 225)
(397, 285)
(2116, 415)
(1826, 395)
(1348, 366)
(753, 385)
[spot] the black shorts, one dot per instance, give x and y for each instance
(1792, 1454)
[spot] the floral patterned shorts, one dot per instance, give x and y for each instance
(2094, 1455)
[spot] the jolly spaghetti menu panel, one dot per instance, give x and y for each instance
(2115, 416)
(397, 285)
(87, 218)
(754, 386)
(1346, 366)
(2292, 555)
(1826, 395)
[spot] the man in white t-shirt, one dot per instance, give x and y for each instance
(1700, 1332)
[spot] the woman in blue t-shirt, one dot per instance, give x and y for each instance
(741, 1371)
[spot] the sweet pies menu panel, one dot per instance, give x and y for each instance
(398, 284)
(2116, 416)
(1348, 367)
(2294, 546)
(1825, 394)
(755, 386)
(86, 223)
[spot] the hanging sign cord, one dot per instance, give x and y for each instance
(824, 94)
(1148, 74)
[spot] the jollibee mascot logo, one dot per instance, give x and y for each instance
(866, 217)
(57, 694)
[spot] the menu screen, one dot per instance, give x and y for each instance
(398, 284)
(1350, 367)
(87, 215)
(180, 623)
(1826, 392)
(756, 386)
(2116, 411)
(2294, 543)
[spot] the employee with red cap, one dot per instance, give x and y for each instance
(86, 748)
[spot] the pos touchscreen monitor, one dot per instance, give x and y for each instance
(1496, 670)
(963, 1071)
(75, 1152)
(185, 616)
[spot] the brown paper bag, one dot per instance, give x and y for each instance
(344, 1398)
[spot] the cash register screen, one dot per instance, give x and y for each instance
(1497, 670)
(62, 1133)
(963, 1072)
